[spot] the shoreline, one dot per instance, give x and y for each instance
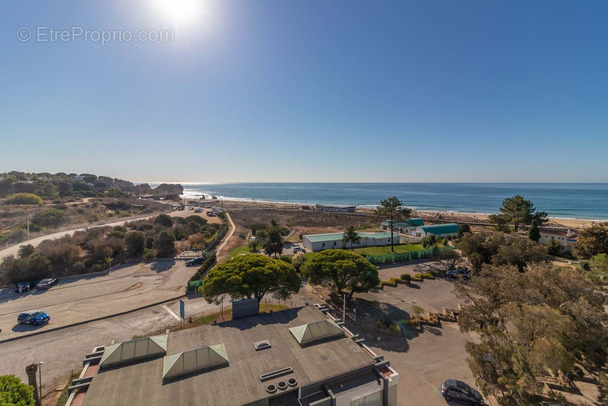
(555, 222)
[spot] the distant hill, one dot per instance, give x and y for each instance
(50, 186)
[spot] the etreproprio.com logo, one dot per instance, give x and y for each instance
(103, 37)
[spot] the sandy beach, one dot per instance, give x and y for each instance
(457, 217)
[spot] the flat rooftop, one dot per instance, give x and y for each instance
(238, 383)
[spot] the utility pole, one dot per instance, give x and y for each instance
(344, 309)
(28, 227)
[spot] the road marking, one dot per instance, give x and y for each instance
(171, 313)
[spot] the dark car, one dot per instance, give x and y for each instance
(22, 287)
(459, 391)
(195, 261)
(46, 283)
(33, 317)
(455, 273)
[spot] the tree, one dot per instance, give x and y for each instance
(446, 260)
(251, 276)
(351, 236)
(543, 321)
(517, 211)
(165, 245)
(393, 208)
(135, 242)
(598, 266)
(26, 250)
(49, 190)
(253, 246)
(430, 240)
(553, 247)
(591, 241)
(274, 242)
(520, 252)
(340, 270)
(500, 249)
(15, 393)
(164, 220)
(464, 229)
(534, 232)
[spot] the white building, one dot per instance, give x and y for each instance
(565, 238)
(335, 209)
(319, 242)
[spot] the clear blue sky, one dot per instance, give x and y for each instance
(311, 90)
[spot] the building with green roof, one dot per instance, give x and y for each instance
(440, 230)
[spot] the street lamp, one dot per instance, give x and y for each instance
(40, 364)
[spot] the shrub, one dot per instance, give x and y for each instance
(417, 310)
(286, 258)
(418, 276)
(428, 275)
(51, 218)
(394, 281)
(406, 277)
(93, 218)
(24, 198)
(164, 220)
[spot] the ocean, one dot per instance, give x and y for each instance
(563, 200)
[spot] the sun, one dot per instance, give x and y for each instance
(182, 12)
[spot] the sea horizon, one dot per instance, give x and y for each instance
(565, 200)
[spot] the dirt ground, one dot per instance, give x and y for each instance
(299, 221)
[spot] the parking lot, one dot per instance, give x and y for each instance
(88, 297)
(424, 358)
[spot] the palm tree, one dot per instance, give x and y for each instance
(392, 207)
(351, 236)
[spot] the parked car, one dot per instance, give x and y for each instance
(46, 283)
(198, 210)
(195, 261)
(33, 317)
(210, 213)
(22, 287)
(298, 249)
(455, 273)
(459, 391)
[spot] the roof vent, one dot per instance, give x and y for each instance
(261, 345)
(271, 388)
(282, 385)
(292, 382)
(276, 374)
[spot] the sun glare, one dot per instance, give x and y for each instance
(182, 12)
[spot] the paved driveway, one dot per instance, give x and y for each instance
(426, 358)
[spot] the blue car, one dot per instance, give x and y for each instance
(33, 317)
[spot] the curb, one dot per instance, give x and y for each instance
(7, 340)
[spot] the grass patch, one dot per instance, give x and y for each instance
(376, 251)
(64, 394)
(239, 251)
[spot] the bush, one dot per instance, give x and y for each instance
(51, 218)
(428, 275)
(24, 198)
(394, 281)
(93, 218)
(418, 276)
(406, 277)
(163, 220)
(286, 258)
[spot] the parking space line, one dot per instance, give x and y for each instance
(171, 313)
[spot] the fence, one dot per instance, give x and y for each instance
(406, 256)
